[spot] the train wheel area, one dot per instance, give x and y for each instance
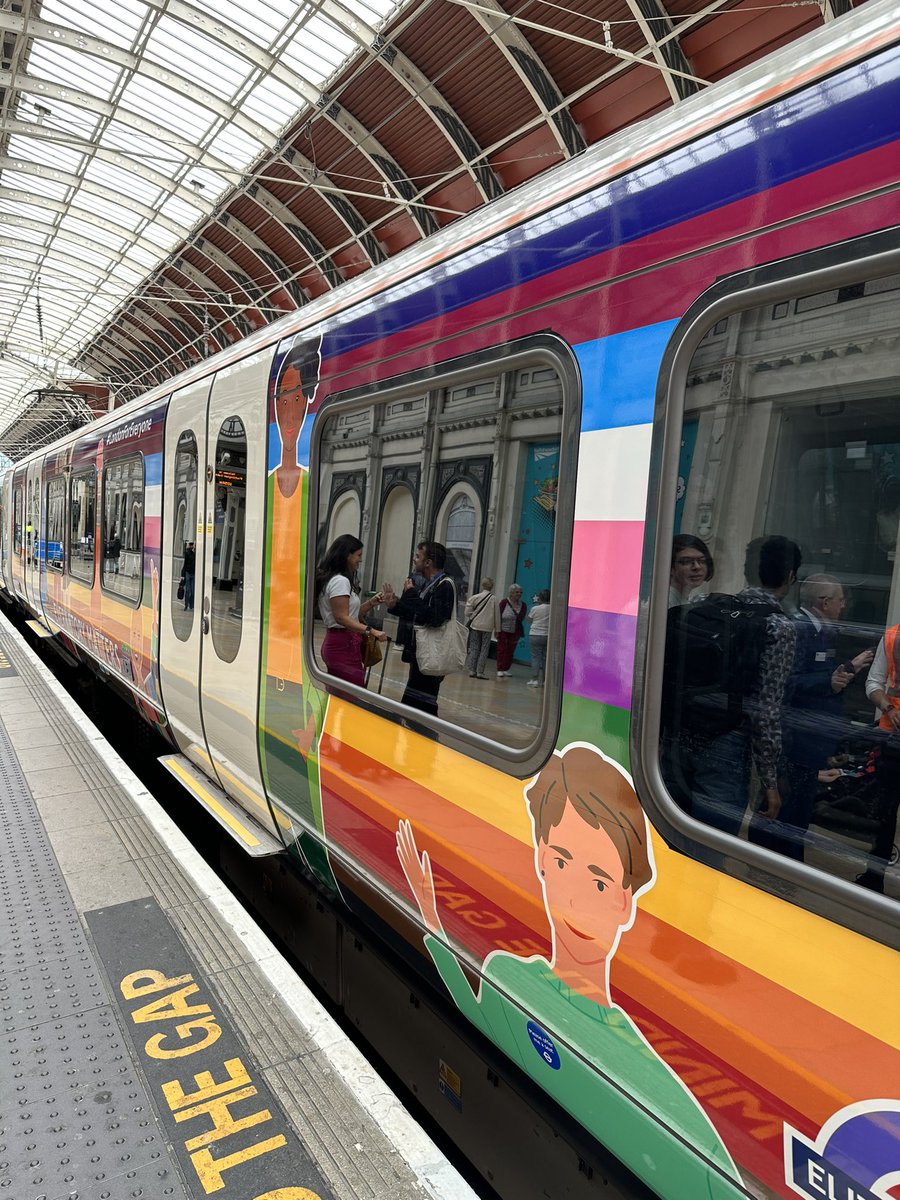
(154, 1041)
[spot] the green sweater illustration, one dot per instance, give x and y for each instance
(615, 1085)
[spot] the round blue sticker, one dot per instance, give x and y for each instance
(543, 1043)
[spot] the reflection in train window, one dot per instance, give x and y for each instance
(56, 524)
(471, 462)
(229, 515)
(122, 561)
(184, 536)
(777, 726)
(82, 500)
(18, 521)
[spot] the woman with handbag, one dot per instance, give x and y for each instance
(512, 616)
(430, 608)
(482, 621)
(337, 597)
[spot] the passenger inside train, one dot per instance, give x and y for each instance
(779, 709)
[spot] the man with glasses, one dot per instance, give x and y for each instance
(813, 712)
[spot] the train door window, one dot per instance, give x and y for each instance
(82, 524)
(229, 514)
(18, 522)
(184, 536)
(780, 698)
(56, 524)
(469, 459)
(122, 561)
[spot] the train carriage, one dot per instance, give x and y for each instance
(693, 333)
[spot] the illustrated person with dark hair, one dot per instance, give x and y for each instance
(692, 565)
(728, 660)
(556, 1018)
(337, 597)
(188, 572)
(813, 721)
(432, 606)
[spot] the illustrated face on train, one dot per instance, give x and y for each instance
(591, 852)
(295, 389)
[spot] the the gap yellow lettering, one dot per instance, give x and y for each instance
(154, 1045)
(153, 981)
(177, 1097)
(223, 1123)
(210, 1170)
(171, 1007)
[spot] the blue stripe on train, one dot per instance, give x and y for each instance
(840, 117)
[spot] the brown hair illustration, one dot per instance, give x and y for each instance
(600, 795)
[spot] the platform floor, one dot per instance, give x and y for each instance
(153, 1042)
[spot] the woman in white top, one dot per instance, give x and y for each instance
(482, 619)
(337, 595)
(539, 618)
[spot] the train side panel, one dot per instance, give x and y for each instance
(691, 974)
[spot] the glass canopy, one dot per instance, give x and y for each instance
(122, 127)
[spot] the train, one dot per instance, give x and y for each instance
(684, 330)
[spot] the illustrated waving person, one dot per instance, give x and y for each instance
(556, 1018)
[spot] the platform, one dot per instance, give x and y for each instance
(153, 1041)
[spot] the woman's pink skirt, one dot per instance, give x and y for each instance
(342, 651)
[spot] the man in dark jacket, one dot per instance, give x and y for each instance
(813, 715)
(188, 571)
(432, 605)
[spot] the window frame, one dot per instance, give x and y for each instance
(84, 580)
(123, 597)
(546, 349)
(61, 570)
(839, 900)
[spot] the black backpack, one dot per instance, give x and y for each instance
(712, 663)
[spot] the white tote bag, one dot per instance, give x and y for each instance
(441, 650)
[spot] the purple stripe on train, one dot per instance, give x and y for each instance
(600, 656)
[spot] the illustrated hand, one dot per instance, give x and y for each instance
(773, 804)
(893, 715)
(418, 875)
(407, 584)
(829, 776)
(379, 635)
(863, 660)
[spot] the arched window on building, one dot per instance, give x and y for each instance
(459, 538)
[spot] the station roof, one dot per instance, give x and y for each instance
(175, 175)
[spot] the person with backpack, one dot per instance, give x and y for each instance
(728, 661)
(813, 715)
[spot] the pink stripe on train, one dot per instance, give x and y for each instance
(606, 566)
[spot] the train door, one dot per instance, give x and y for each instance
(17, 556)
(232, 578)
(33, 541)
(215, 486)
(180, 635)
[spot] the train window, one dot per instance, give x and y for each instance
(122, 561)
(780, 697)
(82, 524)
(470, 461)
(18, 521)
(230, 504)
(56, 524)
(184, 536)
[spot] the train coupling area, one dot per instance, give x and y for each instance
(153, 1041)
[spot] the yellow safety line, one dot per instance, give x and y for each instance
(192, 785)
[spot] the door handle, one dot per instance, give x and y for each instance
(204, 625)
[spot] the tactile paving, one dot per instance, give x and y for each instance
(75, 1120)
